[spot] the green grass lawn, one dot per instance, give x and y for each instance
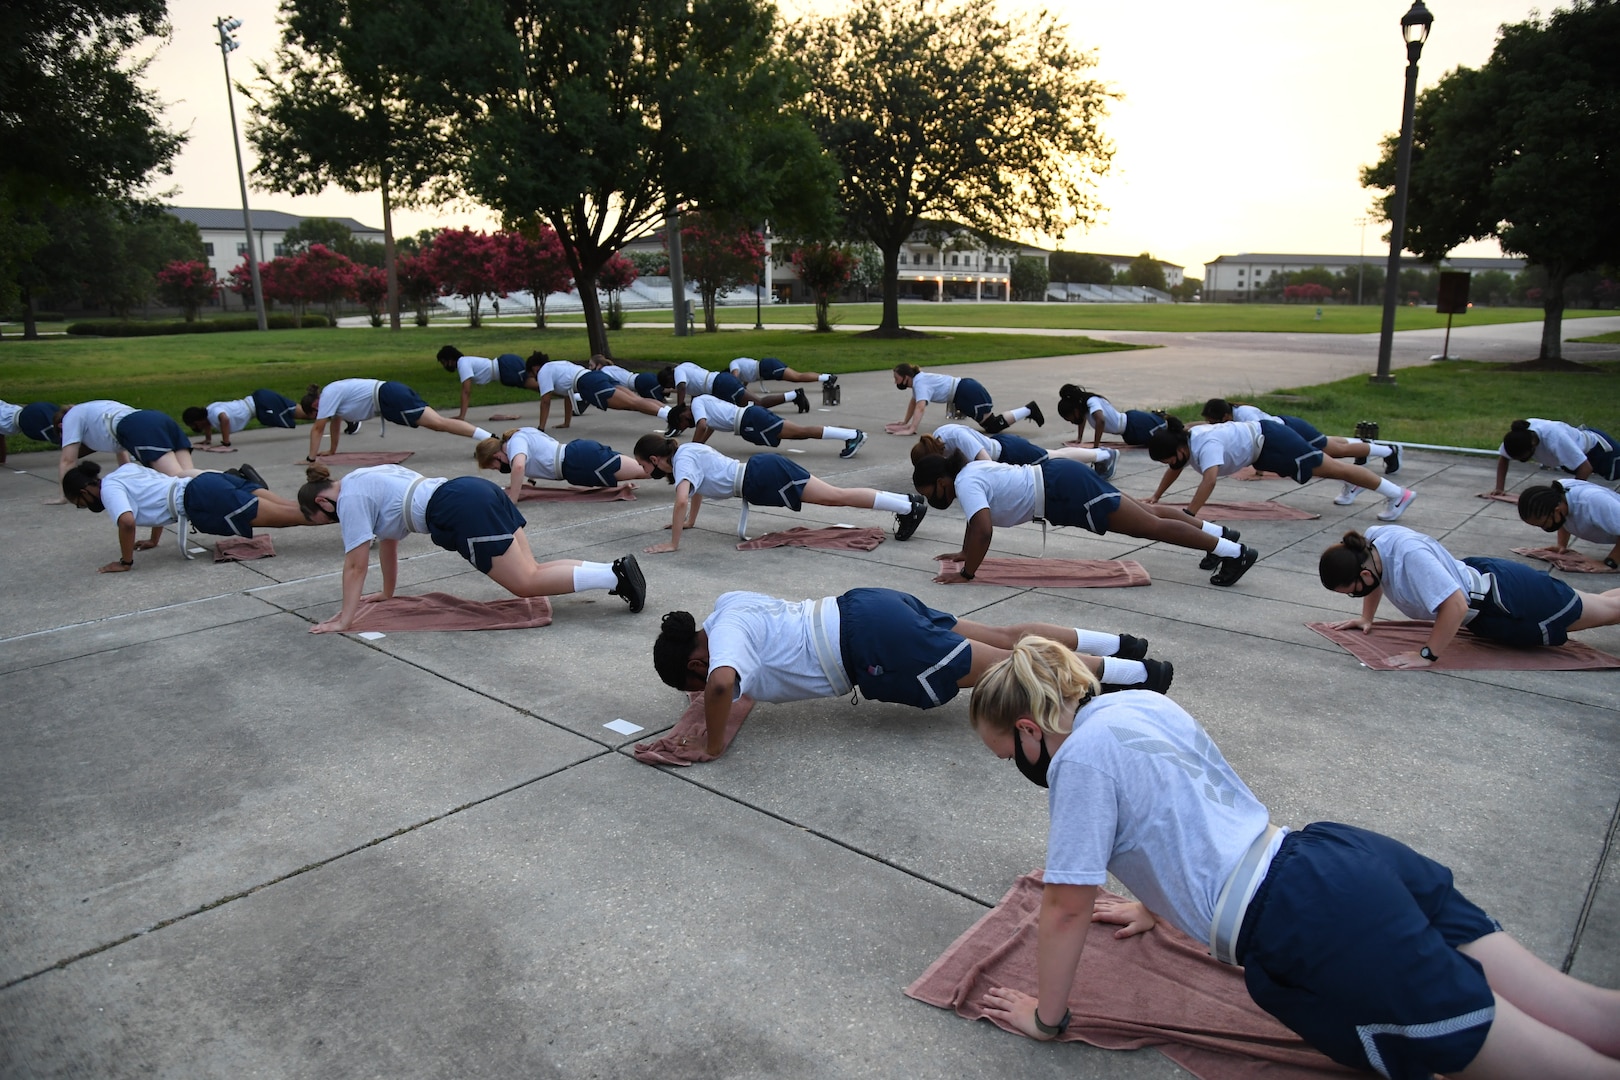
(1601, 339)
(1268, 318)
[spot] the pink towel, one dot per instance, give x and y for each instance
(243, 549)
(1050, 573)
(1570, 562)
(362, 458)
(214, 449)
(1506, 496)
(1158, 989)
(441, 611)
(1105, 444)
(504, 416)
(833, 537)
(622, 493)
(1465, 653)
(1248, 511)
(686, 741)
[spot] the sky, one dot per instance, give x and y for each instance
(1243, 125)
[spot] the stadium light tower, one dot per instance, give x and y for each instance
(228, 43)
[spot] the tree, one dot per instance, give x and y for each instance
(649, 263)
(325, 277)
(941, 111)
(240, 282)
(1189, 288)
(350, 103)
(1080, 268)
(1027, 278)
(371, 289)
(616, 275)
(1147, 272)
(1522, 151)
(418, 286)
(187, 285)
(824, 269)
(717, 259)
(867, 270)
(535, 264)
(597, 118)
(466, 264)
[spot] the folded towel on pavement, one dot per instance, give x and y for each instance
(1506, 496)
(1465, 653)
(1049, 573)
(1248, 511)
(1570, 562)
(1106, 445)
(504, 416)
(362, 458)
(243, 549)
(214, 449)
(686, 741)
(533, 493)
(441, 611)
(833, 537)
(1159, 989)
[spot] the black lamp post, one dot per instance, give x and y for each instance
(1415, 30)
(227, 45)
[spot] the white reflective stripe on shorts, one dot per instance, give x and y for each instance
(1233, 901)
(832, 665)
(1546, 635)
(1438, 1029)
(946, 659)
(405, 506)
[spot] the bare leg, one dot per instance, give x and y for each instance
(516, 571)
(1134, 519)
(1586, 1013)
(277, 513)
(1518, 1046)
(1598, 609)
(434, 422)
(790, 430)
(986, 656)
(820, 493)
(630, 469)
(1358, 475)
(1085, 454)
(1346, 448)
(170, 464)
(632, 402)
(769, 401)
(1005, 637)
(789, 375)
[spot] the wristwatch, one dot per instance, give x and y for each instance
(1428, 654)
(1054, 1030)
(966, 573)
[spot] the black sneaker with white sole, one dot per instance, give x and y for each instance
(905, 525)
(350, 427)
(1234, 568)
(1209, 562)
(994, 424)
(1392, 464)
(801, 400)
(632, 587)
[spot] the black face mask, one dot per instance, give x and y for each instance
(1034, 771)
(941, 501)
(1359, 589)
(93, 502)
(505, 467)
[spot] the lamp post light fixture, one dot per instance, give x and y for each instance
(1414, 31)
(227, 44)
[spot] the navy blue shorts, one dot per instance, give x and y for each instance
(1017, 450)
(1605, 463)
(972, 400)
(1139, 425)
(1313, 438)
(509, 369)
(399, 404)
(596, 387)
(221, 504)
(273, 410)
(472, 516)
(1283, 451)
(771, 368)
(1076, 495)
(760, 426)
(898, 649)
(1351, 941)
(647, 386)
(773, 480)
(149, 434)
(1529, 608)
(38, 421)
(589, 464)
(727, 387)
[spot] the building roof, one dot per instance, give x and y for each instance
(1460, 263)
(267, 220)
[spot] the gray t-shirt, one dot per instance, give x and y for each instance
(711, 473)
(1420, 574)
(542, 455)
(1013, 493)
(770, 644)
(1594, 511)
(371, 504)
(91, 423)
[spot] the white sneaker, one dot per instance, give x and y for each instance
(1348, 495)
(1397, 507)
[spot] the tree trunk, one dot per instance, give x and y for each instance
(388, 252)
(590, 305)
(709, 325)
(823, 306)
(1552, 316)
(890, 324)
(539, 311)
(30, 323)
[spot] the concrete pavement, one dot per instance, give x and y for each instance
(232, 847)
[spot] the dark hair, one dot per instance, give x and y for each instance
(1166, 442)
(319, 481)
(448, 356)
(194, 416)
(535, 362)
(933, 467)
(680, 417)
(677, 637)
(907, 370)
(1072, 402)
(78, 478)
(654, 443)
(311, 398)
(1540, 501)
(926, 445)
(1216, 410)
(666, 376)
(1520, 442)
(1341, 564)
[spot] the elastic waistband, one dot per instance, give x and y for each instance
(738, 481)
(832, 664)
(1233, 901)
(405, 506)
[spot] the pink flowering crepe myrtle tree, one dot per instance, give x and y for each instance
(824, 269)
(616, 275)
(187, 285)
(467, 264)
(533, 261)
(718, 259)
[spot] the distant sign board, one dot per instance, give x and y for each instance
(1453, 296)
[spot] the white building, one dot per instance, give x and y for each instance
(1236, 277)
(224, 242)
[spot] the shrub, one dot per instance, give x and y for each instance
(123, 328)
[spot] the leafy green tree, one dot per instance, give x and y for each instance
(1492, 287)
(1189, 288)
(1080, 268)
(1147, 272)
(824, 269)
(867, 270)
(1522, 151)
(1027, 277)
(935, 109)
(349, 102)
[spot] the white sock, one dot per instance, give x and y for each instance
(480, 433)
(1228, 549)
(823, 378)
(1095, 642)
(842, 434)
(1214, 530)
(1020, 413)
(1379, 450)
(594, 575)
(1119, 672)
(1390, 490)
(891, 503)
(663, 412)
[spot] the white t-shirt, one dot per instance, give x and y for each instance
(1229, 447)
(542, 455)
(142, 491)
(480, 369)
(721, 415)
(926, 386)
(770, 644)
(349, 399)
(9, 413)
(370, 504)
(697, 380)
(1420, 574)
(1113, 420)
(623, 376)
(971, 443)
(1594, 511)
(1014, 493)
(240, 412)
(711, 473)
(746, 369)
(1562, 446)
(1141, 790)
(1251, 412)
(91, 423)
(557, 377)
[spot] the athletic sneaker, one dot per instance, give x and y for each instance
(632, 587)
(1132, 647)
(581, 406)
(906, 524)
(832, 380)
(994, 424)
(251, 475)
(801, 401)
(672, 432)
(1160, 674)
(1105, 466)
(1348, 495)
(350, 427)
(1229, 533)
(1392, 464)
(1209, 562)
(1234, 568)
(1396, 507)
(853, 446)
(1035, 414)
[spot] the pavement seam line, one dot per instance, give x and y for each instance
(1592, 891)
